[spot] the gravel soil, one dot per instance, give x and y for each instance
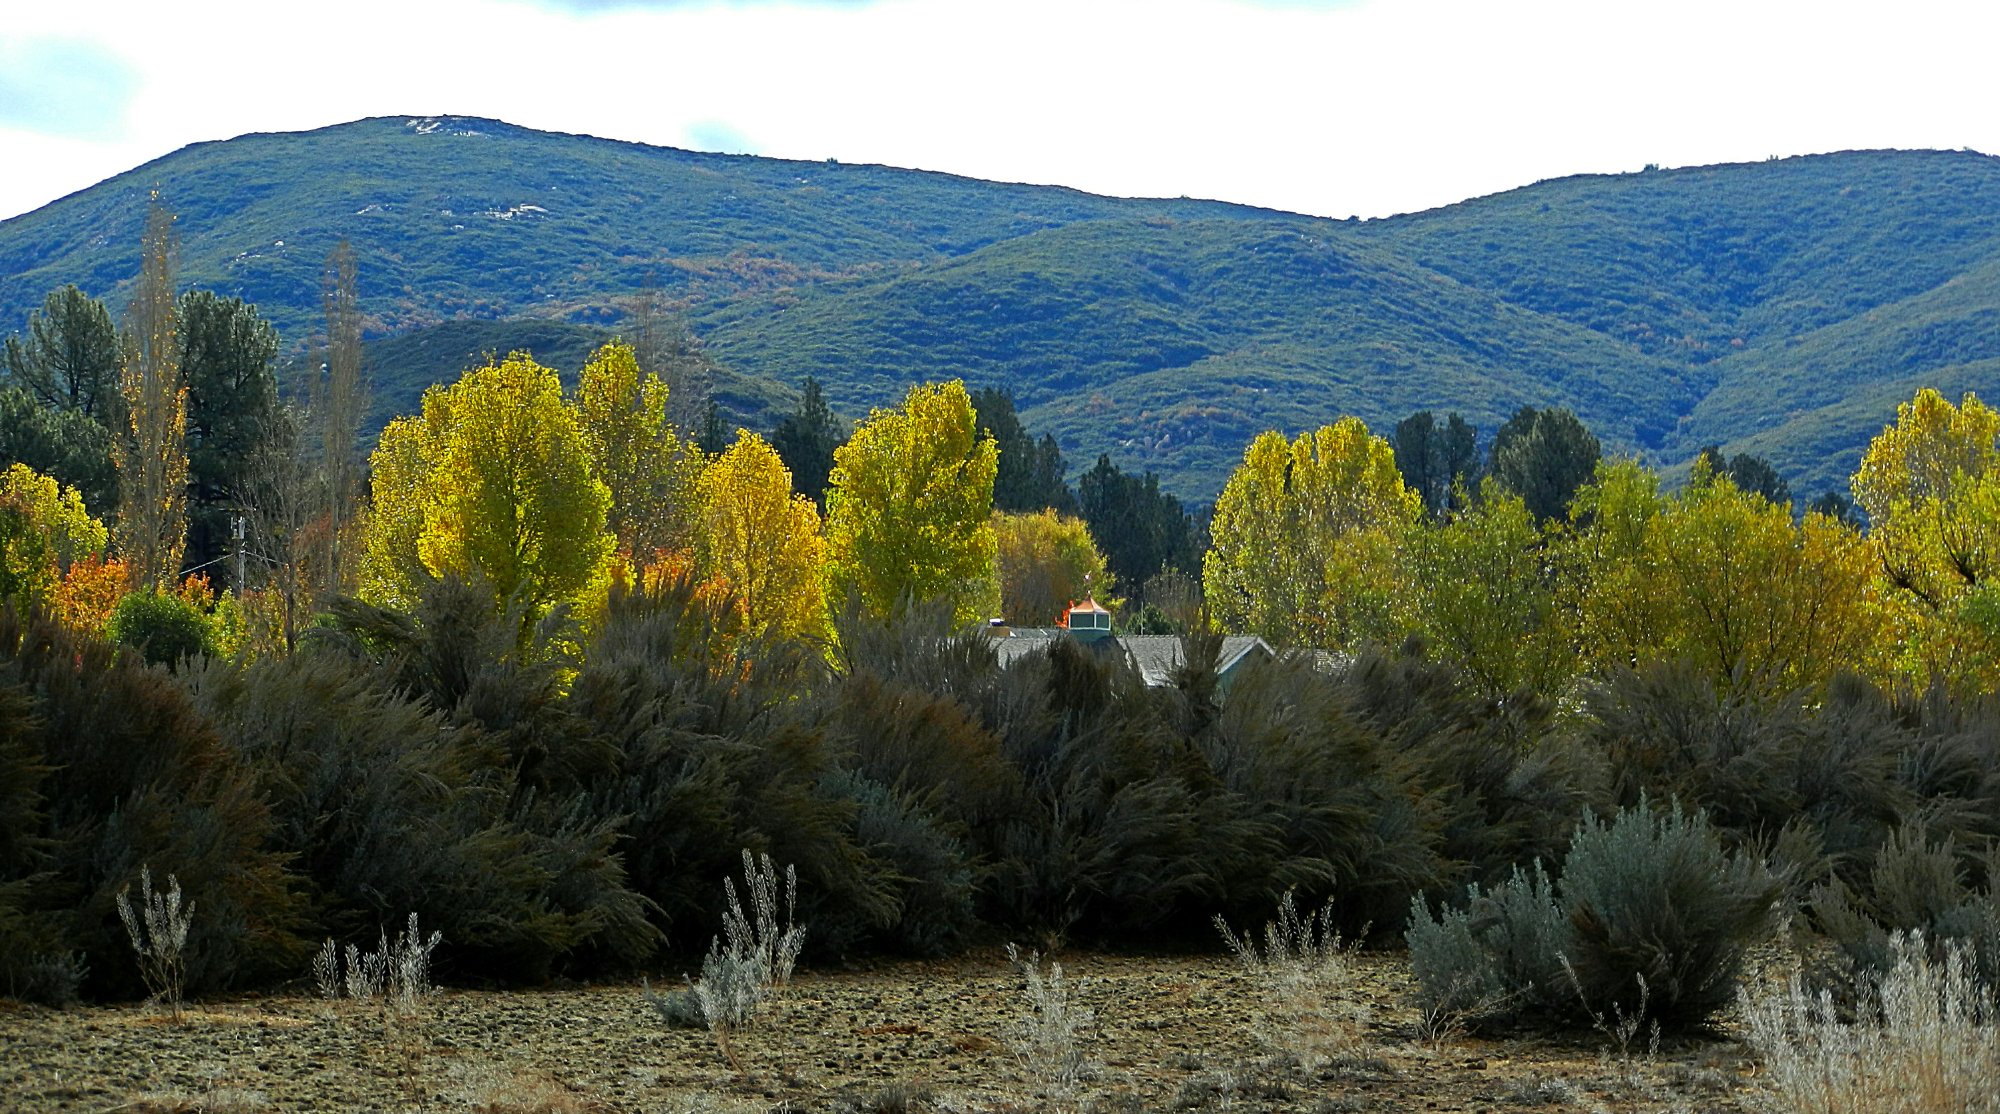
(1166, 1034)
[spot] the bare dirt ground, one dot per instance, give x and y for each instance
(1168, 1034)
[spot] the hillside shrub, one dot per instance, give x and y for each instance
(1650, 916)
(1125, 829)
(931, 876)
(713, 749)
(1498, 785)
(1916, 888)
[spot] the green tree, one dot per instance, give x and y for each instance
(70, 357)
(1031, 471)
(227, 352)
(66, 444)
(1305, 535)
(1142, 530)
(1544, 456)
(492, 482)
(1437, 460)
(1487, 587)
(59, 395)
(908, 509)
(1749, 473)
(806, 438)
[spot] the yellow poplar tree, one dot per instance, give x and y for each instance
(622, 414)
(1305, 536)
(492, 481)
(44, 529)
(762, 540)
(1046, 561)
(1724, 579)
(1931, 487)
(152, 456)
(909, 504)
(399, 474)
(1611, 517)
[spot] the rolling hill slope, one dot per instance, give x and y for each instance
(1779, 307)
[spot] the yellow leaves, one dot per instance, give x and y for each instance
(1046, 561)
(1726, 580)
(1931, 487)
(1305, 537)
(44, 530)
(492, 481)
(908, 505)
(57, 510)
(622, 415)
(761, 540)
(1933, 447)
(1928, 485)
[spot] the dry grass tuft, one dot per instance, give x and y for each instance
(1304, 981)
(1926, 1041)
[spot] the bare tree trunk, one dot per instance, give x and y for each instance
(667, 348)
(152, 456)
(283, 504)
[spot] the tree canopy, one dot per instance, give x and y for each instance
(1544, 456)
(1305, 534)
(908, 509)
(762, 541)
(491, 482)
(1046, 561)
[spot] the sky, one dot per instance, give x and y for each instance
(1332, 107)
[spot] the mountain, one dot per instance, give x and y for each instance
(1780, 307)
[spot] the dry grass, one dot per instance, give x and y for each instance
(221, 1100)
(1926, 1042)
(1304, 982)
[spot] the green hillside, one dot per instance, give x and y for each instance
(1171, 344)
(1781, 307)
(457, 217)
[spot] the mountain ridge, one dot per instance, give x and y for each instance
(1669, 308)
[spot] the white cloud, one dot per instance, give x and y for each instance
(1335, 108)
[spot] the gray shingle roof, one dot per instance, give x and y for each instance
(1155, 656)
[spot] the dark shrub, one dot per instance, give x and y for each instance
(1498, 782)
(1914, 883)
(388, 809)
(715, 755)
(931, 880)
(1125, 829)
(137, 776)
(1345, 813)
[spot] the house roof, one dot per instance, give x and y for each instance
(1155, 656)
